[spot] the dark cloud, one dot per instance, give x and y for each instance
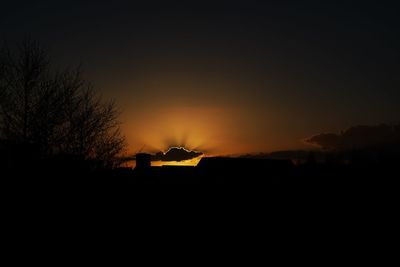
(176, 154)
(361, 136)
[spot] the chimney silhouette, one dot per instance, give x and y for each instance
(143, 161)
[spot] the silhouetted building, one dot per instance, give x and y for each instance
(214, 170)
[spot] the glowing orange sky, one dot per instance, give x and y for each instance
(226, 77)
(223, 130)
(222, 114)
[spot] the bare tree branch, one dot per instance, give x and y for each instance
(57, 111)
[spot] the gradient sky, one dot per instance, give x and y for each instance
(226, 77)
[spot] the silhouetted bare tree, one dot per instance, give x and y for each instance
(58, 112)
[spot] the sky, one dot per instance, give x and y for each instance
(226, 77)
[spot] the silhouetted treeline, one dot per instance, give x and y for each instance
(46, 115)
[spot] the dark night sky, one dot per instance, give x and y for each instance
(226, 77)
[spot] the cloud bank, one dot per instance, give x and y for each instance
(360, 136)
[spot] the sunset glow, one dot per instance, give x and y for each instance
(191, 162)
(225, 130)
(224, 77)
(113, 95)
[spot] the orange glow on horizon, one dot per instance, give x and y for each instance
(159, 163)
(213, 130)
(195, 129)
(190, 162)
(216, 115)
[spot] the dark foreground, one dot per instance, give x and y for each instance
(208, 171)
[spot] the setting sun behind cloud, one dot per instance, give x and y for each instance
(200, 129)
